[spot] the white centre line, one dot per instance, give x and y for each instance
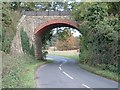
(65, 72)
(60, 65)
(60, 68)
(68, 75)
(87, 86)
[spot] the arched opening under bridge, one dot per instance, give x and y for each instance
(49, 25)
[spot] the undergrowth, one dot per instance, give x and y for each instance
(19, 71)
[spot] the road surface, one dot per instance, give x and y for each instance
(65, 73)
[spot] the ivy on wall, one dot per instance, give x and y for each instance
(25, 43)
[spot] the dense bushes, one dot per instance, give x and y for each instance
(25, 43)
(9, 23)
(18, 71)
(99, 41)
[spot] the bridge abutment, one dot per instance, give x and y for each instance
(38, 47)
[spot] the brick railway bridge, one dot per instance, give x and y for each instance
(36, 23)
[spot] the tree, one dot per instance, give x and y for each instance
(68, 44)
(114, 8)
(25, 43)
(8, 25)
(65, 40)
(46, 38)
(29, 6)
(99, 31)
(15, 5)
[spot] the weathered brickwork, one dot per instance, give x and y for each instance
(35, 25)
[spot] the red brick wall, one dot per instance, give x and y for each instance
(48, 25)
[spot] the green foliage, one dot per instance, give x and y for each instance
(32, 51)
(18, 71)
(79, 10)
(15, 5)
(6, 20)
(41, 6)
(0, 39)
(29, 6)
(102, 72)
(63, 35)
(9, 21)
(113, 7)
(25, 43)
(96, 12)
(46, 37)
(44, 54)
(99, 35)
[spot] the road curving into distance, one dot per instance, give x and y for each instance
(66, 73)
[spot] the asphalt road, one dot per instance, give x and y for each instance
(65, 73)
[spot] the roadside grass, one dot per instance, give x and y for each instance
(73, 55)
(19, 71)
(98, 71)
(0, 71)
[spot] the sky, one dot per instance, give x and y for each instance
(76, 33)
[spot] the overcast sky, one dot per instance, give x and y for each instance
(76, 33)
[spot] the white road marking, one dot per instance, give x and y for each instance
(60, 68)
(60, 65)
(87, 86)
(65, 72)
(63, 63)
(68, 75)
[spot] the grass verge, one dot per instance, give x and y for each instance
(105, 73)
(73, 54)
(100, 72)
(0, 71)
(19, 71)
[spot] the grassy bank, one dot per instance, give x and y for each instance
(19, 71)
(73, 55)
(98, 71)
(0, 70)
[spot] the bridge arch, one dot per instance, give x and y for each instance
(49, 25)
